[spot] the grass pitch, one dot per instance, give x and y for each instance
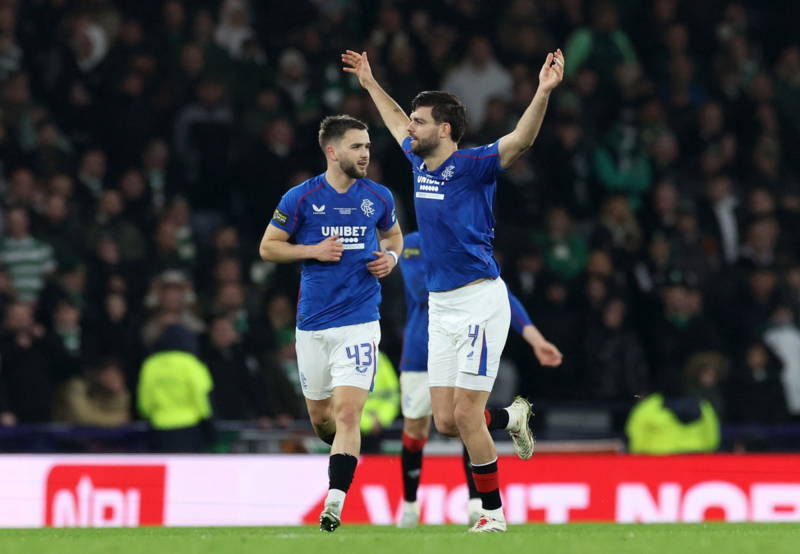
(716, 538)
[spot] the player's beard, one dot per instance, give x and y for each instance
(350, 169)
(425, 147)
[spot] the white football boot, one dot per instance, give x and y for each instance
(520, 412)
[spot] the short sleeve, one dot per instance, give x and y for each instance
(484, 161)
(287, 214)
(413, 158)
(390, 217)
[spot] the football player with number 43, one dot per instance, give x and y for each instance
(337, 220)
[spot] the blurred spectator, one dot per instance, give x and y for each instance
(667, 424)
(170, 300)
(567, 170)
(137, 200)
(109, 222)
(90, 180)
(477, 79)
(60, 227)
(27, 384)
(203, 143)
(602, 47)
(23, 190)
(783, 337)
(618, 231)
(99, 398)
(114, 333)
(28, 260)
(234, 27)
(704, 375)
(677, 332)
(238, 392)
(622, 165)
(760, 246)
(757, 377)
(719, 217)
(296, 83)
(173, 392)
(614, 357)
(563, 249)
(162, 181)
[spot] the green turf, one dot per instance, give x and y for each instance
(716, 538)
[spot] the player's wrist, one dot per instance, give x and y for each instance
(394, 255)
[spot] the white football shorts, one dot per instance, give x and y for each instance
(467, 331)
(338, 356)
(415, 394)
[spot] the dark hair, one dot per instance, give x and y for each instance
(447, 108)
(335, 126)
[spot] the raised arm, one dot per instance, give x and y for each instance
(275, 247)
(514, 144)
(392, 114)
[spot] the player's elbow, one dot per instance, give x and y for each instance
(265, 252)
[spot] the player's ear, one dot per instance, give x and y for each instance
(330, 151)
(446, 130)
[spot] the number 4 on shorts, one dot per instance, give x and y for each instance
(473, 333)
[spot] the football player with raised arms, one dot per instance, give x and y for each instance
(336, 221)
(469, 312)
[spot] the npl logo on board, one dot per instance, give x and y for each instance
(105, 495)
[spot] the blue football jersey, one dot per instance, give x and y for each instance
(334, 294)
(454, 215)
(415, 336)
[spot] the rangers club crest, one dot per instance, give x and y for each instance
(448, 172)
(366, 207)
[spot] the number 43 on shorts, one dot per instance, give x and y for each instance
(360, 352)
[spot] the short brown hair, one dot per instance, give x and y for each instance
(334, 127)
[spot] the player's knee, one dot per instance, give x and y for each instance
(446, 425)
(466, 417)
(320, 420)
(348, 415)
(417, 428)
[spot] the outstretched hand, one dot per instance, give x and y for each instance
(552, 71)
(358, 65)
(547, 354)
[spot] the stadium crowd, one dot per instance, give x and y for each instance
(653, 232)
